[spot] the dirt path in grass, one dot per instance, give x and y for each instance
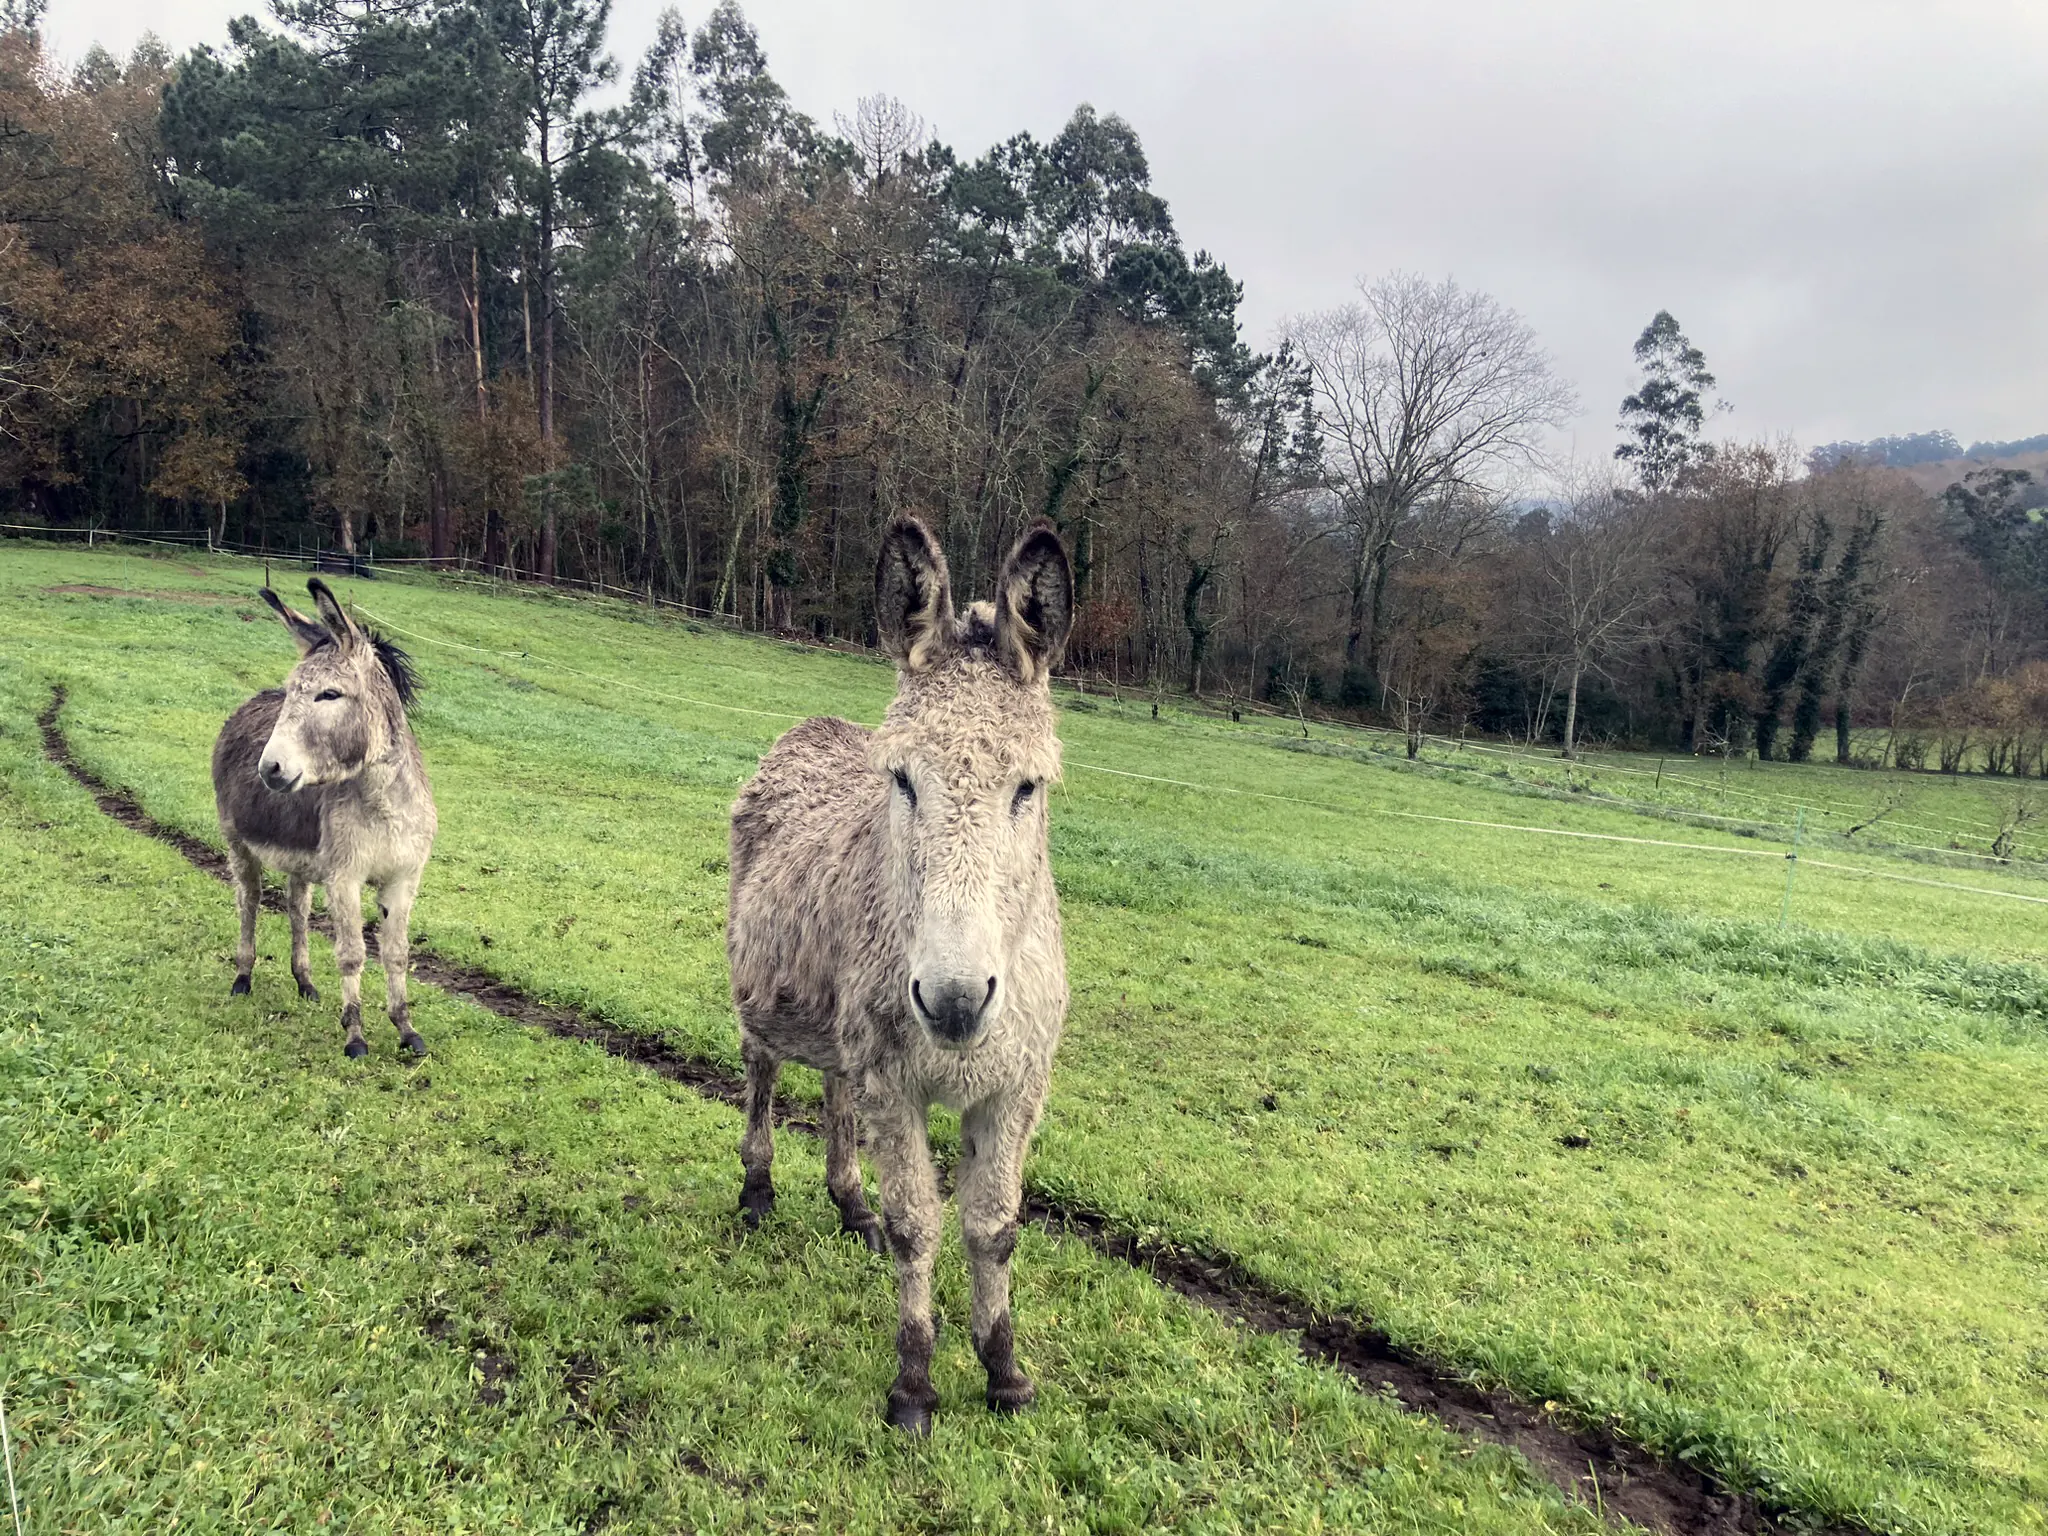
(1588, 1465)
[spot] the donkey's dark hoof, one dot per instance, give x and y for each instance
(857, 1219)
(356, 1048)
(309, 992)
(240, 988)
(911, 1415)
(1011, 1397)
(757, 1198)
(412, 1042)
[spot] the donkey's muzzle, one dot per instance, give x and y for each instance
(954, 1009)
(275, 776)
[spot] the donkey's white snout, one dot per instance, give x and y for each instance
(956, 1009)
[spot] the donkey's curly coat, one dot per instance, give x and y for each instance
(893, 924)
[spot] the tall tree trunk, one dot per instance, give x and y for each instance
(546, 269)
(526, 318)
(437, 517)
(1361, 579)
(476, 332)
(1571, 715)
(494, 542)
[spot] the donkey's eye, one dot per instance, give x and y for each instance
(903, 783)
(325, 694)
(1023, 798)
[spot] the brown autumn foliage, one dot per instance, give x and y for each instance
(291, 292)
(108, 309)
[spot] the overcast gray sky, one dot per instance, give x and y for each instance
(1845, 202)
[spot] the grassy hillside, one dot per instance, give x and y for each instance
(507, 1291)
(1566, 1107)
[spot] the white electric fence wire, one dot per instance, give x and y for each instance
(7, 1444)
(1953, 826)
(1254, 794)
(1676, 776)
(1685, 810)
(1501, 826)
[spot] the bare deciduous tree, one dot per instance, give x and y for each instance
(1593, 586)
(1426, 392)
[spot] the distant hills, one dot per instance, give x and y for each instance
(1918, 448)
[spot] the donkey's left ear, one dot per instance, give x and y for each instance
(305, 633)
(333, 615)
(1035, 604)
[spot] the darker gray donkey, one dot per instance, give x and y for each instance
(893, 924)
(323, 780)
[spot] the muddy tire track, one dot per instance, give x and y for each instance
(1590, 1466)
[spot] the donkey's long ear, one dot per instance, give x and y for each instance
(305, 633)
(333, 615)
(1034, 604)
(913, 595)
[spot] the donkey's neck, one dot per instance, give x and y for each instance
(388, 782)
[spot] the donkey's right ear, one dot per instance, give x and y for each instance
(913, 595)
(306, 633)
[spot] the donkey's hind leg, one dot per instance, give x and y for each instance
(757, 1145)
(248, 873)
(298, 903)
(842, 1164)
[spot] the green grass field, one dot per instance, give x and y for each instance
(1952, 819)
(1575, 1115)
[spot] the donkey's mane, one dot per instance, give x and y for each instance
(397, 666)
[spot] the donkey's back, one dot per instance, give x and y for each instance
(804, 871)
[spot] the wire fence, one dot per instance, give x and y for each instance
(1332, 808)
(469, 573)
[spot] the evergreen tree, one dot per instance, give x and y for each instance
(1997, 515)
(1665, 415)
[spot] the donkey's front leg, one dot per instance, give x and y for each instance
(298, 904)
(345, 908)
(842, 1163)
(911, 1213)
(248, 872)
(993, 1137)
(394, 953)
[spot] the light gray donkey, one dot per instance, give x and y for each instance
(893, 924)
(323, 781)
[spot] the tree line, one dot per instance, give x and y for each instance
(437, 280)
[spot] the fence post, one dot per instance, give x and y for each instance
(1791, 866)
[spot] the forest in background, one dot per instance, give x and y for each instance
(435, 280)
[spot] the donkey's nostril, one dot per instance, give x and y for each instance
(952, 1009)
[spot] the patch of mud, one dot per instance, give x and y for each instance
(1591, 1466)
(492, 1372)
